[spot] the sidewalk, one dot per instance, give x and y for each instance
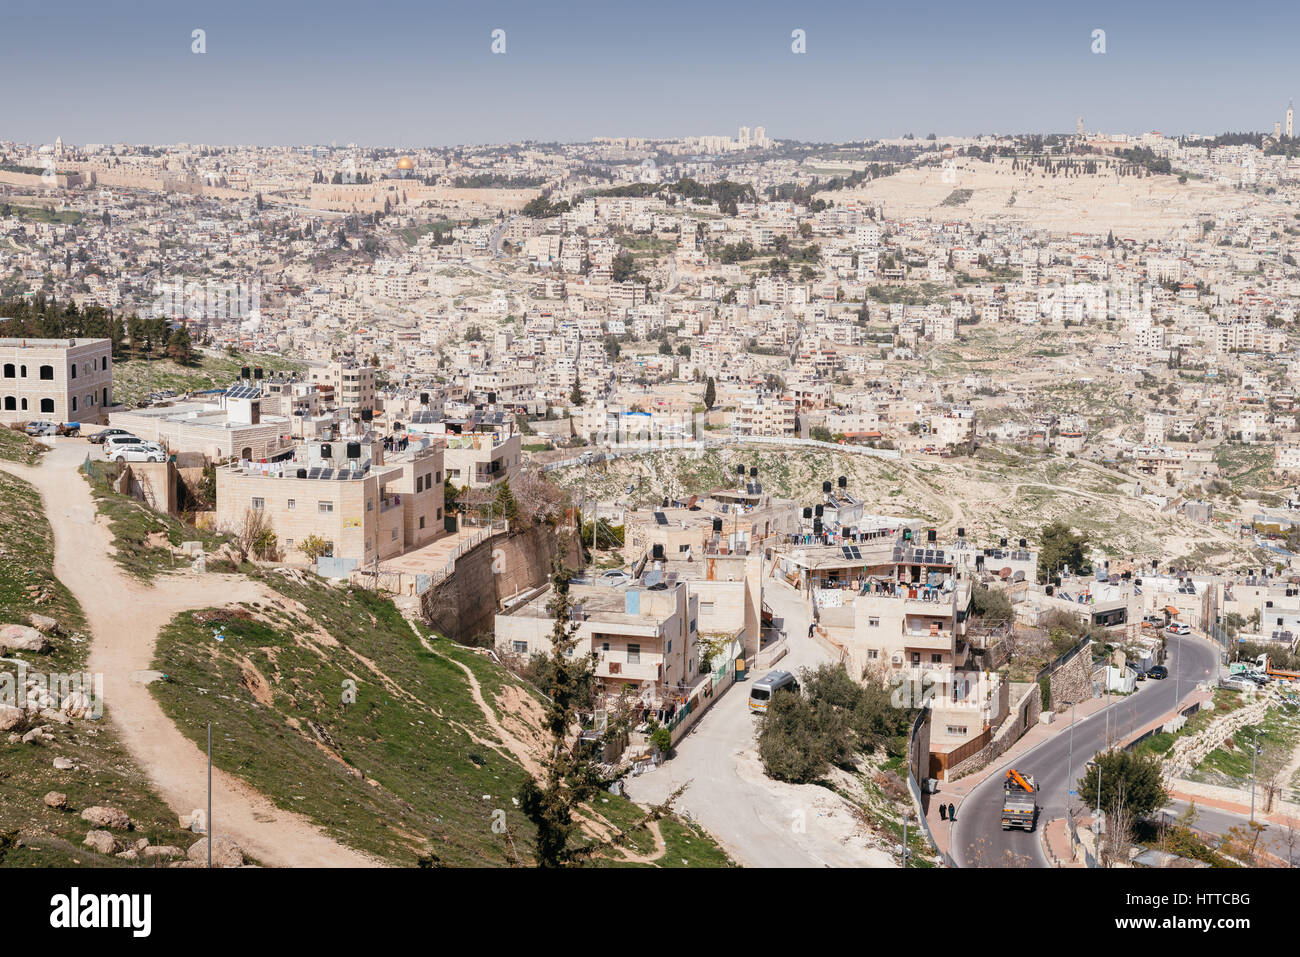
(1056, 843)
(1231, 800)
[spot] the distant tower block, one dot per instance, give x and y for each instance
(1080, 125)
(1277, 130)
(1290, 118)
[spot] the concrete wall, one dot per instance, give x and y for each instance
(466, 603)
(162, 479)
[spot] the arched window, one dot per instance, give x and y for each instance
(72, 367)
(10, 370)
(11, 404)
(74, 404)
(24, 408)
(105, 402)
(47, 372)
(47, 405)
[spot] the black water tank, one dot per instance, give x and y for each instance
(807, 512)
(657, 552)
(1049, 589)
(817, 526)
(244, 372)
(257, 372)
(717, 524)
(302, 473)
(753, 472)
(492, 398)
(354, 450)
(367, 415)
(961, 533)
(326, 452)
(931, 535)
(1023, 543)
(1002, 542)
(818, 510)
(844, 481)
(424, 398)
(826, 487)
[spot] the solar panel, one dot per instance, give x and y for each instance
(243, 392)
(326, 473)
(661, 518)
(857, 552)
(313, 473)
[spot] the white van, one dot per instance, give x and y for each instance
(761, 692)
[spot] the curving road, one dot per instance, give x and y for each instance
(979, 817)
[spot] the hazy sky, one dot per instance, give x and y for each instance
(408, 73)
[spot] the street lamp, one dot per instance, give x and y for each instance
(1070, 766)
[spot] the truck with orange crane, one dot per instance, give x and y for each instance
(1265, 662)
(1019, 807)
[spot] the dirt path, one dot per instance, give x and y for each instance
(125, 617)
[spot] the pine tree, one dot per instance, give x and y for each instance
(576, 397)
(505, 503)
(710, 394)
(571, 774)
(567, 778)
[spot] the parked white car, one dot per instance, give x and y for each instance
(137, 452)
(124, 438)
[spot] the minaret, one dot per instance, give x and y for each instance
(1290, 118)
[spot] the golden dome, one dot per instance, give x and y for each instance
(406, 163)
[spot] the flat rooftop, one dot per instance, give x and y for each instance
(30, 343)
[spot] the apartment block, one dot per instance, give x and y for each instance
(60, 380)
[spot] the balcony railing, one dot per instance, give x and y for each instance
(613, 665)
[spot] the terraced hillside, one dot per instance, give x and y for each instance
(1002, 491)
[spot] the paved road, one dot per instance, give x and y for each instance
(727, 792)
(1213, 820)
(979, 817)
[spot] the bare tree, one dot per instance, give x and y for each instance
(1119, 831)
(254, 536)
(1272, 788)
(536, 498)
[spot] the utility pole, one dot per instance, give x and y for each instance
(1069, 776)
(208, 822)
(1254, 753)
(906, 815)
